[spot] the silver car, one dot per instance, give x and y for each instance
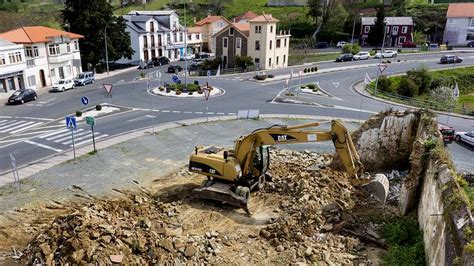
(362, 56)
(63, 85)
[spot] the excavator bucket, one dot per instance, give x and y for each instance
(221, 192)
(378, 187)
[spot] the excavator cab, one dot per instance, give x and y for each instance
(261, 160)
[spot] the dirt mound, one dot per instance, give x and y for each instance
(298, 217)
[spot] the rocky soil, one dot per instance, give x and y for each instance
(308, 213)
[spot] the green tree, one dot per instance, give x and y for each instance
(419, 37)
(422, 78)
(243, 61)
(90, 18)
(347, 48)
(375, 37)
(407, 87)
(337, 16)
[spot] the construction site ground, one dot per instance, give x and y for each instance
(131, 203)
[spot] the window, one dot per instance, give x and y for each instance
(366, 29)
(284, 59)
(401, 39)
(238, 42)
(197, 36)
(14, 57)
(471, 22)
(76, 45)
(269, 62)
(145, 42)
(53, 73)
(68, 47)
(452, 21)
(258, 29)
(2, 60)
(277, 60)
(225, 40)
(470, 37)
(404, 29)
(152, 41)
(231, 31)
(257, 45)
(152, 26)
(271, 42)
(54, 49)
(31, 81)
(181, 37)
(190, 37)
(285, 42)
(278, 44)
(168, 38)
(271, 29)
(395, 30)
(18, 57)
(257, 61)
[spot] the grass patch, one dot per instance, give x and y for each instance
(405, 242)
(299, 59)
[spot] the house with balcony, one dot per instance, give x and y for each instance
(259, 38)
(459, 30)
(398, 31)
(50, 54)
(211, 25)
(195, 42)
(12, 67)
(155, 34)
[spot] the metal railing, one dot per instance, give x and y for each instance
(202, 72)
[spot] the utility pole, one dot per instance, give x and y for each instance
(106, 52)
(353, 29)
(185, 48)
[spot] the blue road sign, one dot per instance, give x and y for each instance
(175, 79)
(208, 73)
(85, 100)
(71, 122)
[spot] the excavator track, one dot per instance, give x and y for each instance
(222, 192)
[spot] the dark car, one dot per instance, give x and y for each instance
(22, 96)
(345, 57)
(159, 61)
(145, 65)
(202, 55)
(450, 59)
(470, 44)
(321, 45)
(174, 69)
(408, 44)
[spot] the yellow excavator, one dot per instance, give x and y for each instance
(233, 174)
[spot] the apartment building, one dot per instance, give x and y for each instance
(12, 66)
(398, 31)
(50, 54)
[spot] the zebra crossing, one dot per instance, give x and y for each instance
(81, 136)
(13, 126)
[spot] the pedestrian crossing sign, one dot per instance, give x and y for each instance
(71, 122)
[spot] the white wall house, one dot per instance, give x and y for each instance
(50, 54)
(459, 28)
(211, 25)
(12, 66)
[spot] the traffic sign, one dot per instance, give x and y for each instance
(85, 100)
(175, 78)
(108, 88)
(90, 120)
(382, 67)
(71, 122)
(207, 92)
(208, 73)
(13, 160)
(301, 73)
(336, 84)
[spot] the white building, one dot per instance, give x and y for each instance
(155, 34)
(12, 66)
(459, 28)
(50, 54)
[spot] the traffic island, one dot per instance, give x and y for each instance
(190, 92)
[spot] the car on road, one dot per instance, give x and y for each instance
(63, 85)
(362, 56)
(203, 55)
(409, 44)
(145, 65)
(159, 61)
(470, 44)
(386, 54)
(174, 69)
(321, 45)
(450, 59)
(22, 96)
(466, 137)
(345, 57)
(341, 44)
(447, 133)
(84, 78)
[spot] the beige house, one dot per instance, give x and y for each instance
(209, 26)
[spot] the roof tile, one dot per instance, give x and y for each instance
(36, 34)
(459, 10)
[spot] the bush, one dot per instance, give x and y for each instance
(196, 82)
(200, 91)
(389, 62)
(190, 93)
(315, 69)
(311, 86)
(78, 113)
(303, 87)
(178, 92)
(407, 87)
(142, 75)
(305, 70)
(422, 78)
(193, 87)
(161, 88)
(261, 77)
(384, 84)
(243, 61)
(347, 48)
(271, 76)
(98, 107)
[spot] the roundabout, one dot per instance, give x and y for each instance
(161, 91)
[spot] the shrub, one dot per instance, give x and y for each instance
(193, 87)
(271, 76)
(407, 87)
(178, 92)
(303, 87)
(161, 88)
(305, 70)
(261, 77)
(440, 82)
(421, 77)
(315, 69)
(78, 113)
(389, 62)
(315, 90)
(311, 86)
(196, 82)
(190, 93)
(142, 75)
(384, 84)
(200, 91)
(347, 48)
(444, 96)
(98, 107)
(243, 61)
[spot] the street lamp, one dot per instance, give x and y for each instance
(353, 29)
(106, 52)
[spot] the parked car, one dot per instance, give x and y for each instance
(321, 45)
(22, 96)
(188, 57)
(63, 85)
(159, 61)
(386, 54)
(408, 44)
(362, 56)
(466, 137)
(345, 57)
(84, 79)
(145, 65)
(470, 44)
(450, 59)
(174, 69)
(341, 44)
(202, 55)
(447, 133)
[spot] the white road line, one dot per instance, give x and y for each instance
(231, 113)
(35, 118)
(220, 113)
(187, 112)
(210, 113)
(177, 112)
(42, 146)
(199, 113)
(90, 140)
(62, 135)
(165, 111)
(19, 126)
(25, 128)
(11, 124)
(55, 126)
(3, 116)
(32, 133)
(89, 134)
(68, 137)
(1, 121)
(53, 133)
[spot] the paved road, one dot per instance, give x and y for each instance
(36, 130)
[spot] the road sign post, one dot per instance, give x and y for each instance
(71, 124)
(90, 120)
(108, 89)
(207, 92)
(85, 100)
(16, 177)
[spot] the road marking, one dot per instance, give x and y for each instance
(199, 113)
(231, 113)
(53, 133)
(210, 113)
(15, 122)
(35, 118)
(68, 137)
(165, 111)
(177, 112)
(5, 116)
(25, 128)
(21, 126)
(220, 113)
(187, 112)
(89, 134)
(64, 134)
(42, 146)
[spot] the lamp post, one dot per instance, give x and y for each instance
(185, 48)
(381, 57)
(353, 29)
(106, 52)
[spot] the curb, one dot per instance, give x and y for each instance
(37, 166)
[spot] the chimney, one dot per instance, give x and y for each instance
(194, 20)
(208, 14)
